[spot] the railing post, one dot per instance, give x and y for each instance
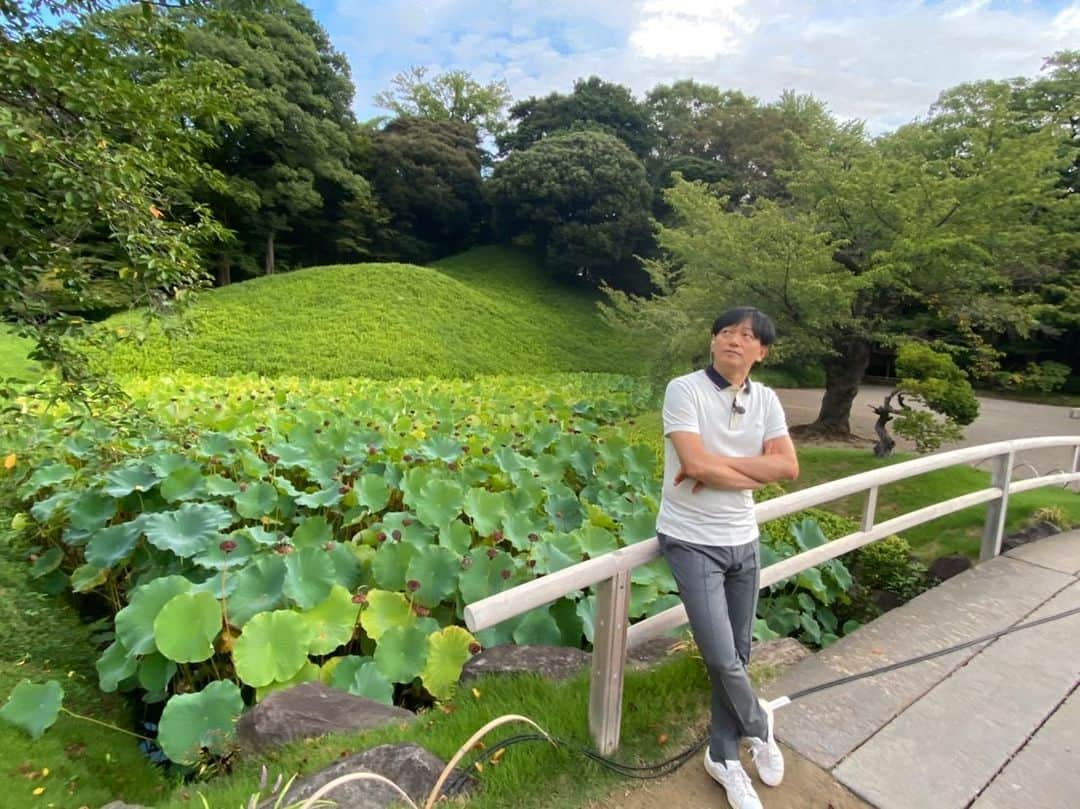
(1000, 477)
(869, 509)
(1076, 462)
(609, 661)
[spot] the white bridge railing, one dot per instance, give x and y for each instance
(613, 635)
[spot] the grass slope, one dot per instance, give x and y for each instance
(13, 359)
(486, 311)
(86, 765)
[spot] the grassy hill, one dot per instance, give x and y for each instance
(13, 360)
(486, 311)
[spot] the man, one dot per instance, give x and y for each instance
(724, 437)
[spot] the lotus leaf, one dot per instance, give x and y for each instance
(219, 486)
(309, 672)
(154, 674)
(183, 483)
(321, 498)
(434, 571)
(564, 509)
(309, 575)
(332, 622)
(186, 626)
(191, 722)
(537, 627)
(401, 653)
(259, 588)
(189, 530)
(110, 545)
(114, 666)
(46, 563)
(486, 509)
(595, 541)
(257, 500)
(456, 536)
(312, 532)
(571, 629)
(408, 529)
(34, 707)
(391, 564)
(372, 492)
(234, 551)
(523, 526)
(440, 502)
(448, 649)
(122, 481)
(86, 577)
(362, 678)
(554, 552)
(586, 610)
(483, 575)
(273, 646)
(91, 510)
(385, 610)
(638, 525)
(135, 622)
(46, 475)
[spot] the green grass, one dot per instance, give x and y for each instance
(88, 765)
(956, 533)
(13, 359)
(487, 311)
(664, 711)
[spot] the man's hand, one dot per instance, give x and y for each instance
(681, 475)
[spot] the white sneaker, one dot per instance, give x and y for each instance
(736, 783)
(767, 755)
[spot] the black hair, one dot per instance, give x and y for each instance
(761, 323)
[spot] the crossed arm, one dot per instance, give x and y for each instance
(777, 462)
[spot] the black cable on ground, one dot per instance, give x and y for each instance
(668, 766)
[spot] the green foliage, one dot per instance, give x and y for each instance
(888, 565)
(316, 571)
(1042, 377)
(583, 200)
(427, 174)
(594, 104)
(487, 311)
(94, 155)
(451, 95)
(34, 708)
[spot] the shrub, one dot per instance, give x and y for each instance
(888, 565)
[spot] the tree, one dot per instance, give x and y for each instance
(714, 259)
(593, 104)
(427, 174)
(583, 200)
(91, 151)
(450, 96)
(947, 225)
(293, 161)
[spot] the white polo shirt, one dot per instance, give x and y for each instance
(694, 404)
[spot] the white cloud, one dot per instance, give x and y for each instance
(884, 62)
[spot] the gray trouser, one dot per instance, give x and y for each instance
(719, 586)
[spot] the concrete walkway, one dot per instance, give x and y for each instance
(991, 727)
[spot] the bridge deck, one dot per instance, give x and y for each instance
(992, 727)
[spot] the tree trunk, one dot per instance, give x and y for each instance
(843, 375)
(269, 266)
(224, 271)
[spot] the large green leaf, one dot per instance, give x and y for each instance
(309, 575)
(385, 610)
(432, 575)
(112, 544)
(523, 528)
(189, 530)
(483, 575)
(33, 707)
(233, 551)
(273, 646)
(361, 677)
(155, 673)
(405, 527)
(114, 666)
(186, 626)
(391, 564)
(456, 536)
(565, 510)
(259, 588)
(401, 653)
(46, 475)
(135, 622)
(638, 525)
(448, 649)
(372, 492)
(184, 483)
(46, 563)
(440, 502)
(191, 722)
(85, 578)
(595, 541)
(308, 672)
(313, 532)
(555, 552)
(257, 500)
(331, 623)
(808, 534)
(537, 627)
(91, 510)
(486, 509)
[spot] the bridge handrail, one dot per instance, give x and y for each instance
(611, 571)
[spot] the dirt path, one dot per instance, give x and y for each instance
(806, 786)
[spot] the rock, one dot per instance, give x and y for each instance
(308, 710)
(778, 653)
(651, 653)
(409, 766)
(1030, 534)
(122, 805)
(948, 566)
(553, 662)
(885, 600)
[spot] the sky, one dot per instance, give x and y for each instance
(883, 62)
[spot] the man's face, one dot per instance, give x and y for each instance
(737, 347)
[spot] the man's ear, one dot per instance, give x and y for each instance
(764, 353)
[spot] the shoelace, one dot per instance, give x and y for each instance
(740, 784)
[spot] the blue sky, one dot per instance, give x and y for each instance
(881, 62)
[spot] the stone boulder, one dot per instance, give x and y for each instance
(946, 567)
(554, 662)
(778, 652)
(1030, 534)
(309, 710)
(409, 766)
(122, 805)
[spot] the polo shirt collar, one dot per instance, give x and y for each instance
(718, 379)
